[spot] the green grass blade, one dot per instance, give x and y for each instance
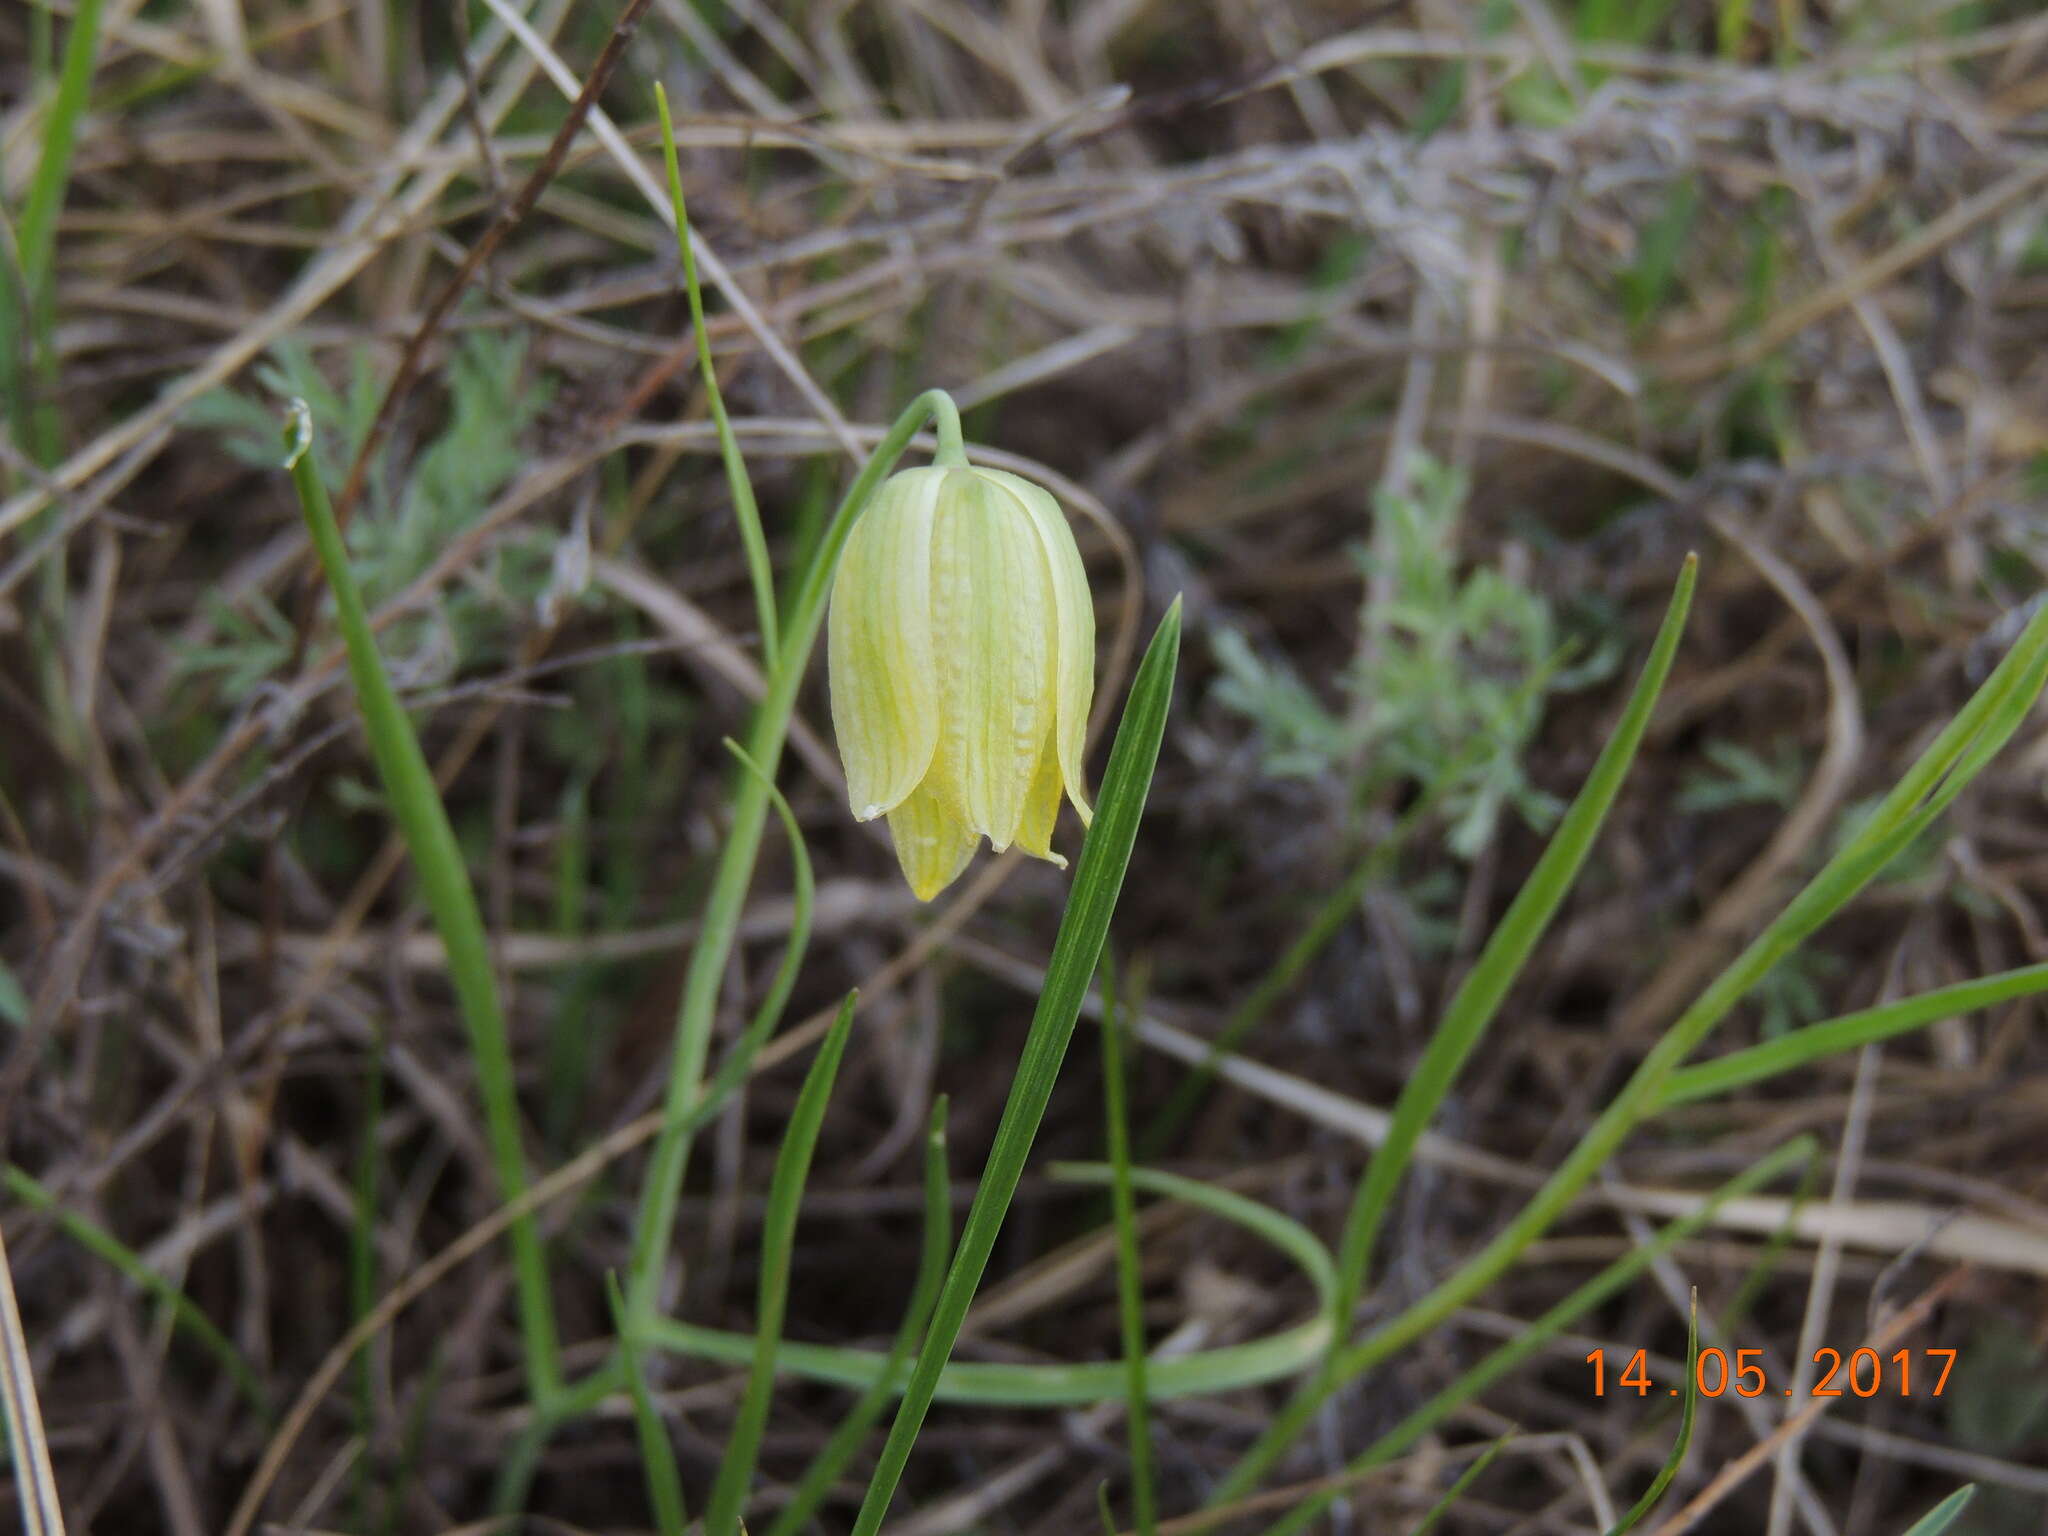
(26, 289)
(657, 1456)
(36, 229)
(1207, 1372)
(1105, 855)
(1466, 1479)
(1944, 1514)
(1506, 951)
(778, 1246)
(853, 1430)
(444, 882)
(1130, 1277)
(1669, 1470)
(1262, 1221)
(1832, 1037)
(124, 1261)
(1466, 1021)
(1224, 1369)
(1496, 1365)
(748, 514)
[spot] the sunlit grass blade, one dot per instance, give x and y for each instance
(752, 537)
(1944, 1514)
(657, 1456)
(1105, 855)
(1498, 1364)
(124, 1261)
(778, 1247)
(1466, 1479)
(1225, 1368)
(852, 1431)
(1130, 1278)
(1832, 1037)
(444, 883)
(1470, 1013)
(1669, 1470)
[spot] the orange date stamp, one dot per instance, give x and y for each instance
(1864, 1373)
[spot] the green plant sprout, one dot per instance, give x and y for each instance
(1450, 693)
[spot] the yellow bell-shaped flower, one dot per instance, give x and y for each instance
(961, 646)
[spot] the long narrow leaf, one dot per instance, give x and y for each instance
(1944, 1514)
(127, 1263)
(1466, 1020)
(853, 1430)
(1669, 1470)
(748, 515)
(657, 1456)
(1201, 1374)
(778, 1246)
(1456, 1491)
(444, 882)
(1506, 951)
(26, 289)
(1105, 856)
(1833, 1037)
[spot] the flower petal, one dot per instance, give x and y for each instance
(878, 642)
(932, 843)
(992, 641)
(1074, 647)
(1042, 807)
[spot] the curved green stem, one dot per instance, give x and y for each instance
(996, 1384)
(745, 510)
(952, 450)
(655, 1224)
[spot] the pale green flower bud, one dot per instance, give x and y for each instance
(961, 646)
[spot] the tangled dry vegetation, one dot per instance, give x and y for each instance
(1582, 287)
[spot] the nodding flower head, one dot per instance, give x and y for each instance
(961, 646)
